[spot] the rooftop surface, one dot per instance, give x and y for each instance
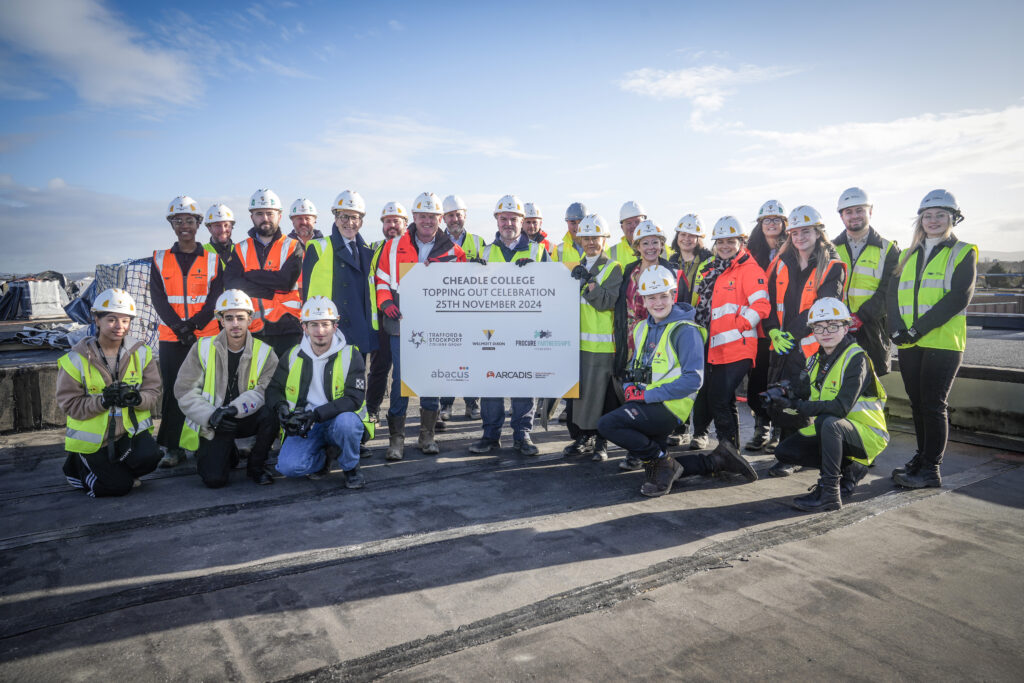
(463, 567)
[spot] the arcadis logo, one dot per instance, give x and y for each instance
(510, 374)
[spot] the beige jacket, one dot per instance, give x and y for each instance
(188, 387)
(74, 399)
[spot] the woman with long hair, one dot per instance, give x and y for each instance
(688, 254)
(806, 269)
(932, 285)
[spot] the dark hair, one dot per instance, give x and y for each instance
(758, 243)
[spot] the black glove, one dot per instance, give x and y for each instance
(523, 261)
(223, 420)
(902, 337)
(581, 273)
(479, 260)
(130, 396)
(301, 422)
(283, 411)
(185, 332)
(111, 395)
(783, 402)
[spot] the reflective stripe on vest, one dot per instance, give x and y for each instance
(936, 282)
(623, 253)
(665, 364)
(321, 279)
(86, 436)
(207, 355)
(495, 255)
(567, 252)
(867, 413)
(865, 274)
(283, 303)
(472, 245)
(597, 328)
(808, 296)
(294, 391)
(187, 294)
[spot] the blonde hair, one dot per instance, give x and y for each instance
(919, 237)
(822, 254)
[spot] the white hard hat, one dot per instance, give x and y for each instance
(828, 308)
(509, 203)
(727, 226)
(942, 199)
(394, 209)
(218, 213)
(453, 202)
(772, 207)
(593, 226)
(427, 202)
(691, 224)
(631, 209)
(114, 301)
(233, 300)
(184, 204)
(648, 228)
(302, 207)
(264, 199)
(655, 280)
(804, 217)
(532, 210)
(853, 196)
(349, 201)
(318, 308)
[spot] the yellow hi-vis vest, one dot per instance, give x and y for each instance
(293, 391)
(207, 359)
(321, 279)
(865, 274)
(597, 328)
(86, 436)
(867, 414)
(472, 245)
(493, 253)
(622, 253)
(665, 365)
(566, 251)
(936, 281)
(698, 278)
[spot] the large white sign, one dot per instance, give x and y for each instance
(494, 330)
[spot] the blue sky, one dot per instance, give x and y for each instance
(110, 109)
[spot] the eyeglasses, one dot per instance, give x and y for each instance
(179, 221)
(822, 328)
(771, 221)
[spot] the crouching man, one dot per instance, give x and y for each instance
(318, 394)
(107, 385)
(846, 402)
(662, 380)
(220, 389)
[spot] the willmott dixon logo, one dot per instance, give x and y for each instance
(488, 334)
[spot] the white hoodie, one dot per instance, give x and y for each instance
(316, 396)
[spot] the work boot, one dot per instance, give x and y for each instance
(852, 473)
(762, 435)
(396, 437)
(262, 477)
(525, 445)
(172, 458)
(700, 442)
(631, 464)
(674, 440)
(781, 469)
(773, 440)
(445, 414)
(583, 445)
(473, 409)
(821, 498)
(725, 458)
(927, 476)
(323, 471)
(600, 449)
(485, 445)
(354, 478)
(426, 443)
(912, 466)
(661, 474)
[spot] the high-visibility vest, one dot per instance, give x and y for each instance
(809, 345)
(698, 278)
(472, 245)
(868, 412)
(283, 303)
(209, 247)
(916, 298)
(865, 275)
(623, 253)
(207, 351)
(665, 364)
(186, 295)
(493, 253)
(86, 436)
(321, 279)
(597, 328)
(566, 251)
(295, 391)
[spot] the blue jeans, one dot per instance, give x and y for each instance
(399, 403)
(492, 414)
(299, 457)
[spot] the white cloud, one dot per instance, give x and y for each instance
(282, 70)
(706, 87)
(84, 44)
(396, 25)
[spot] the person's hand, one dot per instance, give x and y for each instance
(742, 324)
(634, 393)
(111, 395)
(782, 342)
(478, 259)
(523, 261)
(283, 412)
(782, 402)
(304, 421)
(581, 273)
(390, 309)
(905, 336)
(130, 396)
(855, 323)
(223, 419)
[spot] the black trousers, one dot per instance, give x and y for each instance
(380, 368)
(281, 343)
(702, 406)
(722, 381)
(217, 456)
(928, 376)
(642, 429)
(98, 476)
(172, 420)
(835, 438)
(757, 379)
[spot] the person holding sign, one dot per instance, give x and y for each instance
(510, 245)
(662, 379)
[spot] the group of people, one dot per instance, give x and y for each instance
(271, 336)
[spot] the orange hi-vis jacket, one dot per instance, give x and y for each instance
(808, 296)
(739, 300)
(399, 250)
(283, 303)
(186, 293)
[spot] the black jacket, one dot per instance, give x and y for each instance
(620, 319)
(263, 284)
